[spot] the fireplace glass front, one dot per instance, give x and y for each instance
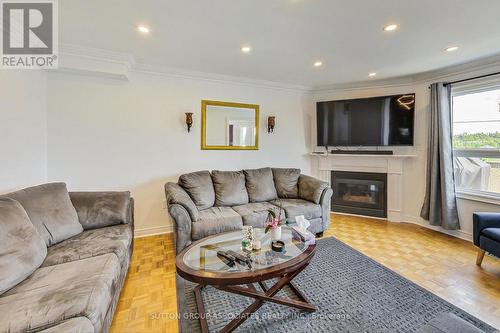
(360, 193)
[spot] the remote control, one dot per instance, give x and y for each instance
(226, 255)
(239, 257)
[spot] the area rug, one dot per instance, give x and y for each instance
(352, 293)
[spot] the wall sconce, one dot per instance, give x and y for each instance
(271, 122)
(189, 120)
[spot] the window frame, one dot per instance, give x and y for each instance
(465, 88)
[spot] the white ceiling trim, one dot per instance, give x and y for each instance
(195, 75)
(115, 65)
(109, 64)
(98, 54)
(477, 67)
(466, 70)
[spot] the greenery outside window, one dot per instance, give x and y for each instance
(476, 138)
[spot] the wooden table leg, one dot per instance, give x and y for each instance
(301, 305)
(292, 286)
(266, 296)
(297, 292)
(263, 285)
(201, 309)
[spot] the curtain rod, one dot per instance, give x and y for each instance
(472, 78)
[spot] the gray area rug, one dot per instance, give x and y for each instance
(352, 293)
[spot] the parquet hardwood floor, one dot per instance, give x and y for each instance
(442, 264)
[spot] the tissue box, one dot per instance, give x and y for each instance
(306, 236)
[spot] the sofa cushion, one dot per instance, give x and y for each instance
(214, 221)
(296, 207)
(260, 185)
(22, 249)
(177, 195)
(493, 233)
(286, 182)
(230, 189)
(254, 214)
(50, 210)
(91, 243)
(489, 245)
(200, 188)
(82, 288)
(73, 325)
(101, 209)
(311, 189)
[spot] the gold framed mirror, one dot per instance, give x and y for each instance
(229, 126)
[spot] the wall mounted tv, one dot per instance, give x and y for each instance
(376, 121)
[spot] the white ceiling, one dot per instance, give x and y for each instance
(287, 36)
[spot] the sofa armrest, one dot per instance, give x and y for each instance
(182, 226)
(482, 221)
(103, 209)
(311, 189)
(176, 195)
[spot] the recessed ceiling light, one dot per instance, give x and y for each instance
(318, 64)
(390, 27)
(246, 49)
(372, 74)
(451, 48)
(143, 29)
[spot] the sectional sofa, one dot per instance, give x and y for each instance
(63, 258)
(204, 203)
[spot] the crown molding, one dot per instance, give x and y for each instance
(219, 78)
(78, 60)
(464, 70)
(456, 72)
(364, 85)
(75, 59)
(97, 54)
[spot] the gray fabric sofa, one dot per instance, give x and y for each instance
(63, 258)
(205, 203)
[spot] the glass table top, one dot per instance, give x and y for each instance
(203, 256)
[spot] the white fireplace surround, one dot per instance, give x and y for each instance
(392, 165)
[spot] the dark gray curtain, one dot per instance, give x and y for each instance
(440, 204)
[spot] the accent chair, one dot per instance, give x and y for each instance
(486, 233)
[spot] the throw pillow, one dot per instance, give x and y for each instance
(22, 249)
(200, 188)
(260, 185)
(50, 210)
(286, 182)
(229, 188)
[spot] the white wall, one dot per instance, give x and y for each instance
(106, 134)
(100, 133)
(415, 168)
(22, 129)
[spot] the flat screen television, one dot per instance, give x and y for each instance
(375, 121)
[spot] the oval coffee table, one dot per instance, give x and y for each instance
(199, 263)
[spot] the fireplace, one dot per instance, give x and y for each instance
(361, 193)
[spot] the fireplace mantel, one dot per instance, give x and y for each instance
(392, 165)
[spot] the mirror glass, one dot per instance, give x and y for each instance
(228, 125)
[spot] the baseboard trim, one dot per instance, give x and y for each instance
(421, 222)
(357, 215)
(152, 231)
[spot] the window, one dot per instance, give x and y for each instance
(476, 139)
